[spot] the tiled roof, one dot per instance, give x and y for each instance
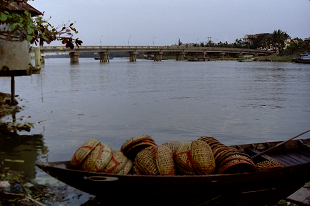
(21, 6)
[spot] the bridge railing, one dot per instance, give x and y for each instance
(175, 48)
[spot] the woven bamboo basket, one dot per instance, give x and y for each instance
(164, 160)
(183, 158)
(236, 166)
(208, 139)
(134, 149)
(133, 141)
(221, 153)
(117, 162)
(184, 171)
(82, 152)
(136, 170)
(104, 159)
(90, 161)
(237, 156)
(202, 157)
(127, 168)
(268, 164)
(173, 145)
(145, 161)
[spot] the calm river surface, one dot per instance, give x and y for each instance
(235, 102)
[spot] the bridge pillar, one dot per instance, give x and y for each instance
(180, 56)
(158, 56)
(133, 56)
(74, 57)
(104, 56)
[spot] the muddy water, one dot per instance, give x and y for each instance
(235, 102)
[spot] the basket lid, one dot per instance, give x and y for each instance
(127, 168)
(90, 161)
(133, 141)
(164, 160)
(202, 157)
(236, 166)
(268, 164)
(183, 157)
(173, 145)
(82, 152)
(146, 162)
(133, 151)
(104, 158)
(117, 162)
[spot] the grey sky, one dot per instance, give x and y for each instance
(140, 21)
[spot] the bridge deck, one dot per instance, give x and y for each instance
(57, 49)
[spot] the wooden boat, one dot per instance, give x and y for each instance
(294, 156)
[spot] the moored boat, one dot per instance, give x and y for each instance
(304, 58)
(294, 157)
(246, 58)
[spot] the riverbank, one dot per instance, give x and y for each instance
(275, 58)
(5, 107)
(263, 58)
(258, 58)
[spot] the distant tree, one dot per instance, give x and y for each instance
(237, 43)
(261, 41)
(278, 38)
(210, 43)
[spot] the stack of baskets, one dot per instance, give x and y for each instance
(195, 158)
(229, 159)
(142, 156)
(93, 156)
(155, 160)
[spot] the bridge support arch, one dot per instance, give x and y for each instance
(133, 56)
(158, 56)
(104, 56)
(74, 57)
(180, 56)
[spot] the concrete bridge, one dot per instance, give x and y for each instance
(180, 51)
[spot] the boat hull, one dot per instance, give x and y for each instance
(179, 185)
(307, 61)
(294, 156)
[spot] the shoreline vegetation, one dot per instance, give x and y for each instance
(6, 109)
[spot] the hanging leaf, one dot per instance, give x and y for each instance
(3, 16)
(30, 30)
(29, 38)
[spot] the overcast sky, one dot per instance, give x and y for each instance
(115, 22)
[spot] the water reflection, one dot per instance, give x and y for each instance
(19, 152)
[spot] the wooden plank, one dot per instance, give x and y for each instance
(283, 160)
(297, 157)
(305, 153)
(301, 196)
(301, 156)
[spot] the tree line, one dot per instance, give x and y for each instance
(273, 41)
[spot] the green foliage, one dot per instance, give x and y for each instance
(278, 38)
(22, 26)
(296, 48)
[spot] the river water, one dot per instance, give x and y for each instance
(235, 102)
